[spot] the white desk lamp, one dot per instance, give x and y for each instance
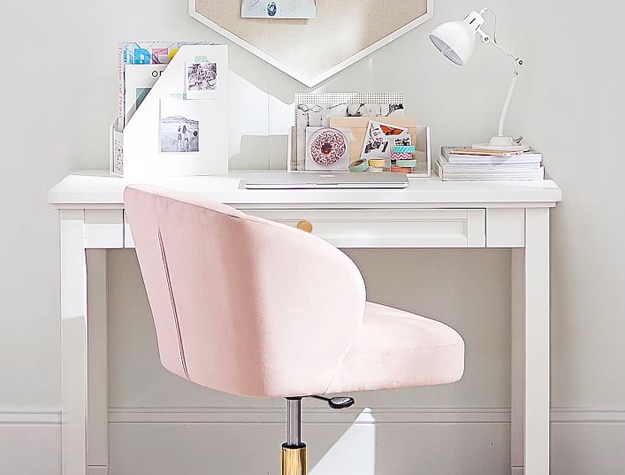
(456, 39)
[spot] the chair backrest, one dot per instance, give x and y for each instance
(242, 304)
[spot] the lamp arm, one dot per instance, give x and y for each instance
(506, 104)
(517, 63)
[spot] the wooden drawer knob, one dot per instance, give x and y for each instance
(305, 226)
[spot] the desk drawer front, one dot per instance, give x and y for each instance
(383, 227)
(389, 227)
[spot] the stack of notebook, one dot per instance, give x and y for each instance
(468, 163)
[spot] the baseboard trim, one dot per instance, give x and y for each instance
(571, 429)
(251, 415)
(256, 415)
(587, 415)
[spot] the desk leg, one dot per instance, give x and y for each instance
(97, 364)
(517, 352)
(530, 348)
(84, 411)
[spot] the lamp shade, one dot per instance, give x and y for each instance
(456, 39)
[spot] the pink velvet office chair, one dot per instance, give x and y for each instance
(255, 308)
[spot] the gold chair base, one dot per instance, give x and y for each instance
(294, 460)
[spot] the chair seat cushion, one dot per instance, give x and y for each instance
(397, 349)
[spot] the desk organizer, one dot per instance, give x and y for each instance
(419, 150)
(181, 127)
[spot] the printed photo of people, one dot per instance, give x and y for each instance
(179, 133)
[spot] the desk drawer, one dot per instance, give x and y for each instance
(389, 227)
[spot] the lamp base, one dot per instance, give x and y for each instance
(502, 144)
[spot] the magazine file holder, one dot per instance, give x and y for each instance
(143, 136)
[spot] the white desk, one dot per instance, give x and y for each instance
(428, 214)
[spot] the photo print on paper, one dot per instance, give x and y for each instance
(201, 80)
(377, 140)
(279, 9)
(179, 130)
(401, 141)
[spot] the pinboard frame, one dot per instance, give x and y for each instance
(312, 50)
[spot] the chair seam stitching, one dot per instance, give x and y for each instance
(183, 360)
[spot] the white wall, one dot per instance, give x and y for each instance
(59, 99)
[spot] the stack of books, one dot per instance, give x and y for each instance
(468, 163)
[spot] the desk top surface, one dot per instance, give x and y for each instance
(97, 189)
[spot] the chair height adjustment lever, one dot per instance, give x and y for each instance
(339, 402)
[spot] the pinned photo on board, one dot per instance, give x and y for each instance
(201, 80)
(179, 127)
(285, 9)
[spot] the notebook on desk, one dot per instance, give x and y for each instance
(305, 180)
